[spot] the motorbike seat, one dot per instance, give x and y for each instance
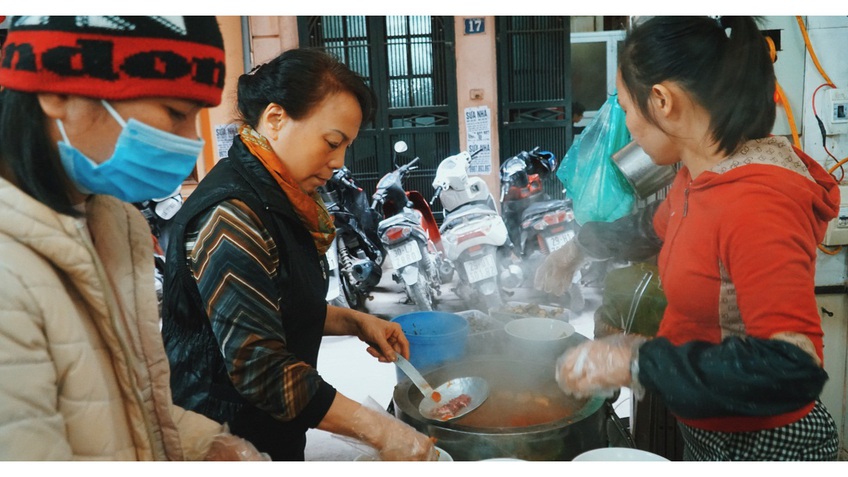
(470, 208)
(541, 208)
(398, 219)
(465, 213)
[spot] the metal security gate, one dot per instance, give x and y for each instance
(534, 87)
(409, 62)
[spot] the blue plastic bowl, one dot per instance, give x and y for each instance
(435, 338)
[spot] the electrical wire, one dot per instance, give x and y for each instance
(623, 401)
(828, 82)
(838, 165)
(824, 135)
(830, 252)
(780, 95)
(812, 52)
(815, 59)
(785, 102)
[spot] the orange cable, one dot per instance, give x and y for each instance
(830, 252)
(815, 59)
(781, 95)
(832, 169)
(812, 52)
(789, 116)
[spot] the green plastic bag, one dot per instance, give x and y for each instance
(596, 186)
(633, 300)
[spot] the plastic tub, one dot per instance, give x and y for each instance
(485, 334)
(435, 337)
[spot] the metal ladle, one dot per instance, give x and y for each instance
(477, 390)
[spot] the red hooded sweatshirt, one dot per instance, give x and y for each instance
(739, 254)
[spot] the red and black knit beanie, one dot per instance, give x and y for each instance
(115, 58)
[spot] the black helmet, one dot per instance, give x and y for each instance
(541, 162)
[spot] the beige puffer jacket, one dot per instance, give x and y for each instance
(83, 372)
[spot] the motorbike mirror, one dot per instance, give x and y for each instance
(512, 166)
(435, 196)
(401, 146)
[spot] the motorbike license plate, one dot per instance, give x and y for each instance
(557, 241)
(481, 268)
(404, 254)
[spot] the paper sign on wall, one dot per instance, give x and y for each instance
(478, 134)
(224, 135)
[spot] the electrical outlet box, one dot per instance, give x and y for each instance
(837, 229)
(835, 112)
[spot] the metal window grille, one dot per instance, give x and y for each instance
(534, 80)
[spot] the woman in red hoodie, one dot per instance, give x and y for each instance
(738, 356)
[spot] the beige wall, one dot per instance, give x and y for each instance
(225, 112)
(476, 85)
(475, 58)
(272, 36)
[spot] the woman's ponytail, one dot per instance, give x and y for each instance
(743, 91)
(729, 75)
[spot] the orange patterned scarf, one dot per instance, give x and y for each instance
(310, 208)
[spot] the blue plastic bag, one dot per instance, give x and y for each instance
(599, 191)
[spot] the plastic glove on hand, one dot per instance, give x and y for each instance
(230, 447)
(393, 439)
(557, 271)
(599, 367)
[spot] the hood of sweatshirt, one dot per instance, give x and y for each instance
(778, 165)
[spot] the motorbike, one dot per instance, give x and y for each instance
(410, 235)
(356, 255)
(474, 235)
(537, 224)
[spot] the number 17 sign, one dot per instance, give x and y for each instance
(475, 25)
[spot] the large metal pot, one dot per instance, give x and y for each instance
(526, 416)
(644, 176)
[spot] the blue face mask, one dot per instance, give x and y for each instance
(148, 163)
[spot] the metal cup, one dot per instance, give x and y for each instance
(645, 177)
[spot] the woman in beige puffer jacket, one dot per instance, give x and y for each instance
(83, 373)
(95, 113)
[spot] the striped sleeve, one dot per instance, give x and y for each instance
(234, 261)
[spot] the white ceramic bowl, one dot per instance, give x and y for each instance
(443, 456)
(542, 339)
(618, 454)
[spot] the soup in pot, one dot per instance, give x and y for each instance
(521, 408)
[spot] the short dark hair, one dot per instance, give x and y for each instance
(28, 157)
(731, 77)
(298, 80)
